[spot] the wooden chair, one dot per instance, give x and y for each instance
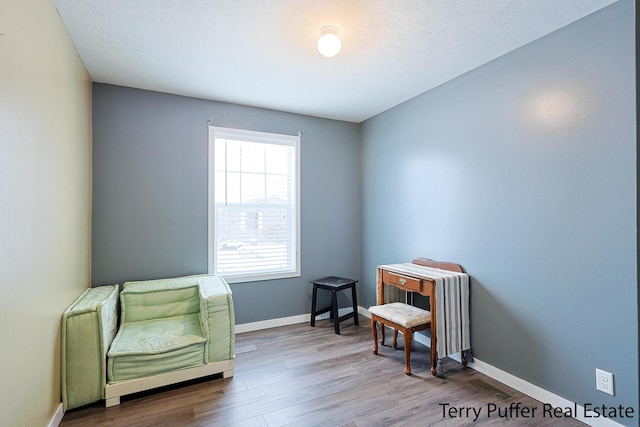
(404, 317)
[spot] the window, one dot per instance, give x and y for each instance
(254, 209)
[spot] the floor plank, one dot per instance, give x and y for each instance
(302, 376)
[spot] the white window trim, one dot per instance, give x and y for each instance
(221, 132)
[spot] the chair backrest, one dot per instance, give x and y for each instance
(157, 299)
(438, 264)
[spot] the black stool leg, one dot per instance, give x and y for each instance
(334, 312)
(355, 304)
(313, 305)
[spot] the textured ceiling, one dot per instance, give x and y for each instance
(263, 52)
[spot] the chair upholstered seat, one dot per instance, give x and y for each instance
(402, 314)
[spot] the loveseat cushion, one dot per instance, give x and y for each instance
(154, 299)
(156, 346)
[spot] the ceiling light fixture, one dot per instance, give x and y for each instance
(329, 44)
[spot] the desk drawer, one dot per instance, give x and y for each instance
(410, 284)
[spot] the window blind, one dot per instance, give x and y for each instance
(255, 205)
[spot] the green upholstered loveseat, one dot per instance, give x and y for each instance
(167, 331)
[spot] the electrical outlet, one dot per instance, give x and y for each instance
(604, 381)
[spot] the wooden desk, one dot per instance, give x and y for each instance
(410, 277)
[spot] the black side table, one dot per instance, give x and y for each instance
(334, 284)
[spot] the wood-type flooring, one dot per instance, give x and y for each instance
(302, 376)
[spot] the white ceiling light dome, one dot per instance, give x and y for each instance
(329, 43)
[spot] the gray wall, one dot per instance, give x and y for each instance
(150, 194)
(524, 172)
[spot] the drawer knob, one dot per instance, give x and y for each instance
(402, 280)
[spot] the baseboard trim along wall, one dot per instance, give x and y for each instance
(272, 323)
(57, 417)
(505, 378)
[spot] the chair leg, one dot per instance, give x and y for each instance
(394, 345)
(313, 305)
(408, 335)
(381, 333)
(354, 298)
(374, 330)
(334, 313)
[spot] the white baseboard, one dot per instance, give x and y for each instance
(539, 393)
(272, 323)
(57, 417)
(292, 320)
(506, 378)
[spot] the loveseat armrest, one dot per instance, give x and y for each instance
(89, 325)
(220, 318)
